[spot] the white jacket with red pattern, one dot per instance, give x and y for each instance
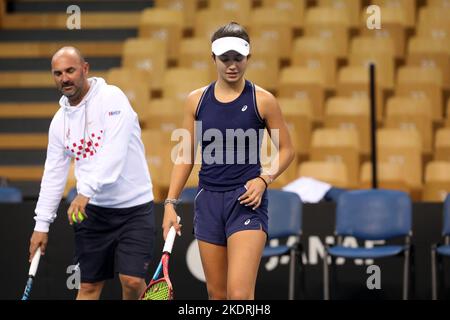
(102, 135)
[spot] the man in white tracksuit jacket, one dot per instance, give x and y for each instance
(97, 128)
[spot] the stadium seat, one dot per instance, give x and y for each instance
(298, 116)
(163, 24)
(403, 147)
(301, 83)
(187, 7)
(353, 82)
(408, 113)
(394, 28)
(350, 113)
(134, 83)
(10, 195)
(179, 82)
(408, 7)
(390, 176)
(442, 144)
(240, 9)
(314, 52)
(351, 7)
(430, 53)
(148, 55)
(437, 181)
(207, 21)
(329, 23)
(338, 145)
(195, 53)
(372, 215)
(334, 173)
(295, 8)
(440, 251)
(422, 83)
(267, 25)
(285, 221)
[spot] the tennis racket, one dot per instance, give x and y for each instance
(160, 288)
(31, 274)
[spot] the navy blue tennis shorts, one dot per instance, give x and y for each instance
(114, 240)
(218, 214)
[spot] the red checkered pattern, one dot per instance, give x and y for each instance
(90, 147)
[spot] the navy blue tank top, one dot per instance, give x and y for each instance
(231, 136)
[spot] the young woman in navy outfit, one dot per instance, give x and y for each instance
(230, 219)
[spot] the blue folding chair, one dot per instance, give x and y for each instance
(10, 195)
(372, 215)
(439, 251)
(188, 195)
(285, 220)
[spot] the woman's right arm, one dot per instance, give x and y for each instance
(184, 164)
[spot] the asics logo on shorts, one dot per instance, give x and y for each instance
(244, 108)
(247, 222)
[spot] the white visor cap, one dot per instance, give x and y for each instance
(225, 44)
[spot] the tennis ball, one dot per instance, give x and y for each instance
(80, 217)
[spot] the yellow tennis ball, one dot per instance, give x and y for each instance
(80, 217)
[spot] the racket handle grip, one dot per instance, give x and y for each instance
(170, 238)
(35, 262)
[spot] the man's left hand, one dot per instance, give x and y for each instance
(78, 205)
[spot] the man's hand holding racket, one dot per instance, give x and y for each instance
(170, 219)
(38, 240)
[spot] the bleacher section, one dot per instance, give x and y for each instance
(312, 54)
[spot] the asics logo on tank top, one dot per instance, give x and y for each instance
(244, 108)
(247, 222)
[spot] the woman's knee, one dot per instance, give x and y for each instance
(91, 288)
(240, 294)
(217, 293)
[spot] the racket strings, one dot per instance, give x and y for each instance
(158, 291)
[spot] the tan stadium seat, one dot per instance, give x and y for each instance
(133, 82)
(295, 8)
(442, 145)
(267, 25)
(159, 160)
(351, 7)
(148, 55)
(407, 6)
(380, 51)
(336, 145)
(437, 181)
(435, 16)
(301, 83)
(326, 22)
(350, 113)
(408, 113)
(187, 7)
(393, 27)
(403, 147)
(314, 52)
(422, 83)
(390, 176)
(165, 120)
(239, 8)
(165, 25)
(353, 81)
(207, 21)
(438, 3)
(298, 116)
(334, 173)
(179, 82)
(195, 53)
(431, 53)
